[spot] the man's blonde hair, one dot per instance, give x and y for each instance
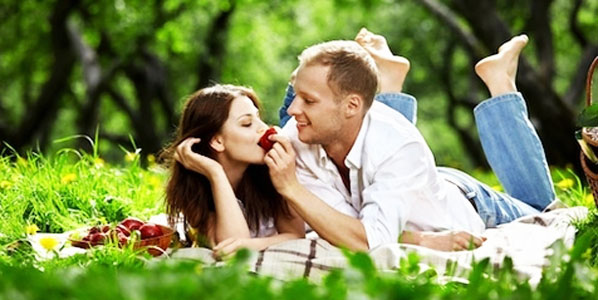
(352, 69)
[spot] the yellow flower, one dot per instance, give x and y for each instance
(151, 159)
(98, 162)
(130, 156)
(31, 229)
(5, 184)
(21, 161)
(565, 184)
(49, 243)
(497, 188)
(155, 182)
(68, 178)
(588, 200)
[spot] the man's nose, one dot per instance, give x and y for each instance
(293, 109)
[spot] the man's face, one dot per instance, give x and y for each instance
(318, 114)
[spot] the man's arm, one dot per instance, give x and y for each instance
(337, 228)
(333, 220)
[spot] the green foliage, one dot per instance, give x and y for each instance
(73, 189)
(588, 116)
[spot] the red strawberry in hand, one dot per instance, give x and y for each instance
(264, 142)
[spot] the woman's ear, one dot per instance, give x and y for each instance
(217, 143)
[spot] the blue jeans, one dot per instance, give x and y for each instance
(512, 148)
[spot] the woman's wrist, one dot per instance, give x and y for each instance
(216, 173)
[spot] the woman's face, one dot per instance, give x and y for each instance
(241, 132)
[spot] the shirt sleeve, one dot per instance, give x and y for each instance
(399, 180)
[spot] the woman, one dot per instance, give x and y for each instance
(219, 180)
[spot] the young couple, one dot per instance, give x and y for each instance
(355, 169)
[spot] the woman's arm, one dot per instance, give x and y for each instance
(228, 221)
(289, 228)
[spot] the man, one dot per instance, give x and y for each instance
(364, 172)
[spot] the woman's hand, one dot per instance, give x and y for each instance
(444, 240)
(194, 161)
(281, 163)
(230, 246)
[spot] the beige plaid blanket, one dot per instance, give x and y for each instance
(527, 241)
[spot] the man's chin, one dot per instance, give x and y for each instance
(306, 139)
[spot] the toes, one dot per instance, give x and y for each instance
(516, 43)
(361, 34)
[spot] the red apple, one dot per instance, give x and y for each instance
(122, 238)
(120, 228)
(97, 238)
(264, 142)
(150, 230)
(132, 223)
(94, 229)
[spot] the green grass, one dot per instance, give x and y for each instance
(71, 189)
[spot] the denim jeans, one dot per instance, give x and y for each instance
(512, 148)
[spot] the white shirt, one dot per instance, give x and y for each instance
(394, 184)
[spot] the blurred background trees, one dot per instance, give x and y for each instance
(124, 67)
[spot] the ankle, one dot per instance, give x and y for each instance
(501, 89)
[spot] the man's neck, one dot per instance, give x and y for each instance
(340, 147)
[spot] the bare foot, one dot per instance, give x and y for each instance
(393, 69)
(498, 71)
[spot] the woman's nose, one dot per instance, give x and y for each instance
(263, 127)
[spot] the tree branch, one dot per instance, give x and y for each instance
(48, 101)
(120, 101)
(467, 139)
(539, 24)
(470, 42)
(210, 63)
(577, 83)
(574, 26)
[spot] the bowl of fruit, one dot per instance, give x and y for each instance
(156, 238)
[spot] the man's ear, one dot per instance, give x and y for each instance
(354, 105)
(217, 143)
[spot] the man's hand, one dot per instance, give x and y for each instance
(444, 240)
(281, 164)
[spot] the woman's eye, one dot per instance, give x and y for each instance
(247, 124)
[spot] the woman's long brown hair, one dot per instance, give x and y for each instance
(189, 192)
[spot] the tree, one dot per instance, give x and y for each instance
(486, 28)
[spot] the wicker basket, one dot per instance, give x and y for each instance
(155, 246)
(589, 168)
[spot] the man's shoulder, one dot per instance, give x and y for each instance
(389, 128)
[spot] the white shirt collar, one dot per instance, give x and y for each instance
(354, 157)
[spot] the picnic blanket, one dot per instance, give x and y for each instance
(526, 241)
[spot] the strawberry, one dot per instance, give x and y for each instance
(264, 142)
